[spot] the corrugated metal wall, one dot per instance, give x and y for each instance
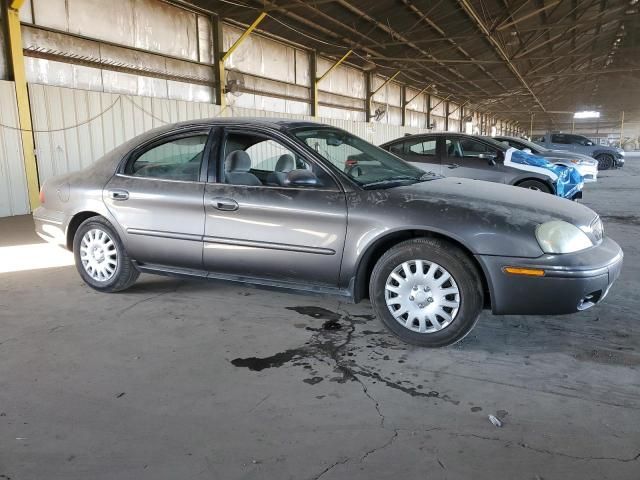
(73, 128)
(14, 198)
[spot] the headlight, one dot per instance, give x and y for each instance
(558, 236)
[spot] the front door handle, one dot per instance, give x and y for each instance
(452, 165)
(119, 195)
(225, 204)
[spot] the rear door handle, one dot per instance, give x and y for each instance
(119, 194)
(225, 204)
(452, 165)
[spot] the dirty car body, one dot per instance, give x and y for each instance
(268, 202)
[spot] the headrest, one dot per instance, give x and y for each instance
(285, 163)
(237, 161)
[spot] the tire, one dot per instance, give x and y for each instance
(605, 161)
(535, 185)
(101, 258)
(427, 302)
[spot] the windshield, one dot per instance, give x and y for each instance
(521, 143)
(369, 166)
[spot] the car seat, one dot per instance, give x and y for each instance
(237, 169)
(284, 165)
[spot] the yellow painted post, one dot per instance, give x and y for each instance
(22, 97)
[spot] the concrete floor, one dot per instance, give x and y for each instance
(179, 379)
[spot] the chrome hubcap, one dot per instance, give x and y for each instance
(98, 255)
(422, 296)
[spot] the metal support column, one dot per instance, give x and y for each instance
(313, 72)
(22, 97)
(428, 111)
(446, 116)
(368, 77)
(403, 93)
(219, 75)
(622, 129)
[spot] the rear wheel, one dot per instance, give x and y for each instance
(535, 185)
(101, 258)
(427, 292)
(605, 161)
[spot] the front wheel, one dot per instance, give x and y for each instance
(427, 292)
(605, 161)
(535, 185)
(100, 257)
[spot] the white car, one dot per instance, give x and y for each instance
(587, 166)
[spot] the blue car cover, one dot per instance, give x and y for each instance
(567, 180)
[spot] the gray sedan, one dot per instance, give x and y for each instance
(279, 203)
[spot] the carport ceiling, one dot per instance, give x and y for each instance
(511, 57)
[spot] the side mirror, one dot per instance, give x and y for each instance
(302, 178)
(490, 158)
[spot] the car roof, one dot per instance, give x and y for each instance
(438, 134)
(273, 122)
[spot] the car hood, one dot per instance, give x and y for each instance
(516, 207)
(567, 155)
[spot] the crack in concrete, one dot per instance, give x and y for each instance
(330, 467)
(381, 447)
(577, 457)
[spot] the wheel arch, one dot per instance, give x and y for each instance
(74, 223)
(379, 246)
(547, 182)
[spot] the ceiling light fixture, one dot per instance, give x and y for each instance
(586, 114)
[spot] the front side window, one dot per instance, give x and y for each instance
(424, 147)
(580, 140)
(397, 148)
(469, 148)
(254, 159)
(366, 164)
(175, 159)
(562, 139)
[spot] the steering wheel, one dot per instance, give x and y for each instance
(354, 171)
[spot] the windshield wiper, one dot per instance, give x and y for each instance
(391, 180)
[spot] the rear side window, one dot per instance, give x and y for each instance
(175, 159)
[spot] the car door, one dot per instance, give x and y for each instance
(468, 157)
(580, 144)
(157, 198)
(259, 226)
(560, 141)
(423, 152)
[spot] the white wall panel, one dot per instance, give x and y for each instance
(74, 128)
(14, 198)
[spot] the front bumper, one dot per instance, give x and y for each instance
(571, 283)
(619, 161)
(589, 173)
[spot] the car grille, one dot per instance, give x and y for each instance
(597, 229)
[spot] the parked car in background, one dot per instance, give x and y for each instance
(607, 157)
(274, 202)
(587, 166)
(482, 158)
